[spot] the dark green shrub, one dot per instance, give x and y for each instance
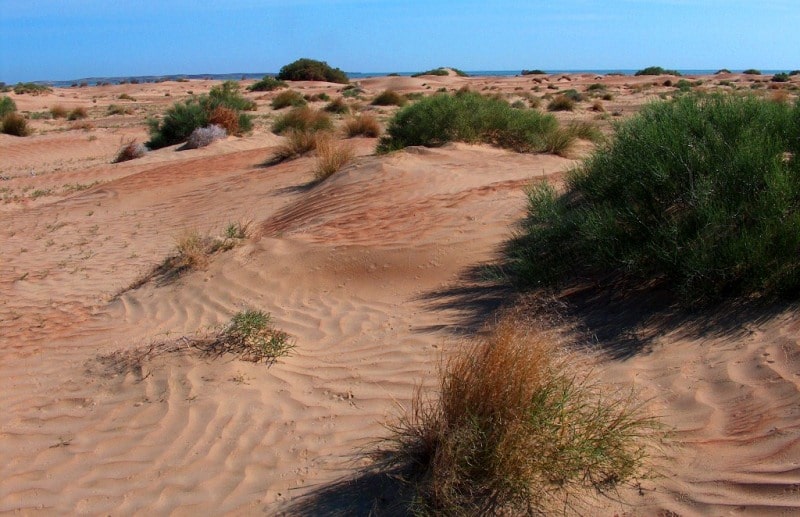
(657, 70)
(535, 71)
(561, 103)
(441, 71)
(683, 85)
(794, 72)
(287, 99)
(228, 95)
(470, 117)
(597, 87)
(14, 124)
(780, 78)
(338, 106)
(267, 84)
(31, 89)
(310, 70)
(573, 95)
(7, 105)
(302, 119)
(389, 98)
(722, 71)
(752, 71)
(701, 193)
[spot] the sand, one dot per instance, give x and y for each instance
(372, 274)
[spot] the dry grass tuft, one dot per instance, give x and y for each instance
(332, 155)
(226, 118)
(130, 150)
(78, 113)
(58, 111)
(517, 428)
(364, 124)
(297, 144)
(302, 119)
(14, 124)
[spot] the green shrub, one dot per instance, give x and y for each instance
(561, 103)
(7, 105)
(701, 193)
(596, 87)
(441, 71)
(287, 99)
(469, 117)
(752, 71)
(14, 124)
(573, 95)
(267, 84)
(251, 335)
(310, 70)
(228, 95)
(657, 70)
(535, 71)
(722, 71)
(338, 106)
(780, 77)
(302, 119)
(389, 98)
(683, 85)
(31, 89)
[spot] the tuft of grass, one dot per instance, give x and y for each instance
(58, 111)
(332, 155)
(701, 194)
(251, 335)
(516, 429)
(267, 84)
(561, 103)
(337, 106)
(302, 119)
(389, 98)
(117, 109)
(288, 98)
(468, 117)
(364, 124)
(130, 151)
(125, 97)
(298, 143)
(7, 105)
(305, 69)
(657, 70)
(14, 124)
(597, 87)
(78, 113)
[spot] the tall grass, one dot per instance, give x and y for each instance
(363, 124)
(332, 155)
(302, 119)
(701, 193)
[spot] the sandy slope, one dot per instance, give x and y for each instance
(369, 271)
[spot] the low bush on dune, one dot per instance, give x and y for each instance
(31, 89)
(182, 118)
(205, 136)
(7, 105)
(251, 335)
(302, 119)
(389, 98)
(130, 151)
(337, 106)
(14, 124)
(116, 109)
(657, 70)
(364, 124)
(701, 194)
(267, 84)
(561, 103)
(516, 429)
(752, 71)
(535, 71)
(441, 71)
(311, 70)
(289, 98)
(471, 117)
(78, 113)
(332, 155)
(781, 77)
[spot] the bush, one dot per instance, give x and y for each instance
(752, 71)
(535, 71)
(116, 109)
(389, 98)
(332, 155)
(125, 97)
(516, 429)
(204, 136)
(338, 106)
(130, 151)
(561, 103)
(468, 117)
(14, 124)
(722, 71)
(31, 88)
(228, 95)
(267, 84)
(287, 99)
(226, 118)
(78, 113)
(310, 70)
(573, 95)
(364, 124)
(597, 87)
(7, 105)
(701, 193)
(683, 85)
(302, 119)
(780, 77)
(58, 111)
(657, 70)
(441, 71)
(297, 144)
(251, 335)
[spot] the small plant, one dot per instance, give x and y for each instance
(288, 98)
(251, 335)
(298, 143)
(7, 105)
(781, 77)
(573, 95)
(389, 98)
(302, 119)
(657, 70)
(352, 91)
(683, 85)
(561, 103)
(14, 124)
(332, 155)
(226, 118)
(338, 106)
(78, 113)
(117, 109)
(364, 124)
(58, 111)
(125, 97)
(204, 136)
(752, 71)
(311, 70)
(130, 151)
(267, 84)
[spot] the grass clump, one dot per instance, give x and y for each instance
(332, 155)
(701, 194)
(364, 124)
(14, 124)
(469, 117)
(7, 105)
(561, 103)
(58, 111)
(125, 97)
(78, 113)
(130, 151)
(298, 143)
(302, 119)
(305, 69)
(337, 106)
(656, 70)
(289, 98)
(117, 109)
(389, 98)
(251, 335)
(516, 430)
(267, 84)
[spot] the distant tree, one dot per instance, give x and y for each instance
(305, 69)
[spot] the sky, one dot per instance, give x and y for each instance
(73, 39)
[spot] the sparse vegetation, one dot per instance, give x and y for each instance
(561, 103)
(752, 71)
(117, 109)
(302, 119)
(78, 113)
(442, 71)
(125, 97)
(701, 194)
(363, 124)
(311, 70)
(781, 77)
(14, 124)
(205, 136)
(267, 84)
(288, 98)
(251, 335)
(516, 429)
(338, 106)
(298, 143)
(31, 89)
(130, 151)
(332, 155)
(7, 105)
(535, 71)
(657, 70)
(389, 98)
(58, 111)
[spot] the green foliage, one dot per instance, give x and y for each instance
(267, 84)
(780, 77)
(535, 71)
(31, 89)
(683, 85)
(310, 70)
(302, 119)
(752, 71)
(470, 117)
(228, 95)
(701, 193)
(657, 70)
(597, 87)
(722, 71)
(7, 105)
(251, 335)
(442, 71)
(561, 103)
(287, 99)
(338, 106)
(573, 95)
(389, 98)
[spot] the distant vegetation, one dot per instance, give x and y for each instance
(752, 71)
(14, 124)
(389, 98)
(303, 119)
(31, 89)
(722, 71)
(310, 70)
(288, 98)
(535, 71)
(781, 77)
(441, 71)
(701, 194)
(7, 105)
(657, 70)
(267, 84)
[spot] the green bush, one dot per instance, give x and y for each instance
(310, 70)
(389, 98)
(338, 106)
(657, 70)
(780, 77)
(701, 193)
(31, 88)
(267, 84)
(302, 119)
(752, 71)
(535, 71)
(288, 98)
(561, 103)
(471, 117)
(228, 95)
(441, 71)
(7, 105)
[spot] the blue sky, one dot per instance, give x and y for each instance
(71, 39)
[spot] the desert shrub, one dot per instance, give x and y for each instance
(338, 106)
(781, 77)
(468, 117)
(535, 71)
(441, 71)
(657, 70)
(288, 98)
(516, 429)
(78, 113)
(58, 111)
(794, 72)
(267, 84)
(311, 70)
(364, 124)
(598, 107)
(31, 89)
(683, 85)
(7, 105)
(204, 136)
(298, 143)
(85, 125)
(519, 104)
(752, 71)
(228, 95)
(722, 71)
(583, 130)
(573, 95)
(251, 335)
(597, 87)
(352, 91)
(116, 109)
(332, 155)
(389, 98)
(302, 119)
(14, 124)
(226, 118)
(561, 103)
(130, 151)
(701, 193)
(125, 97)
